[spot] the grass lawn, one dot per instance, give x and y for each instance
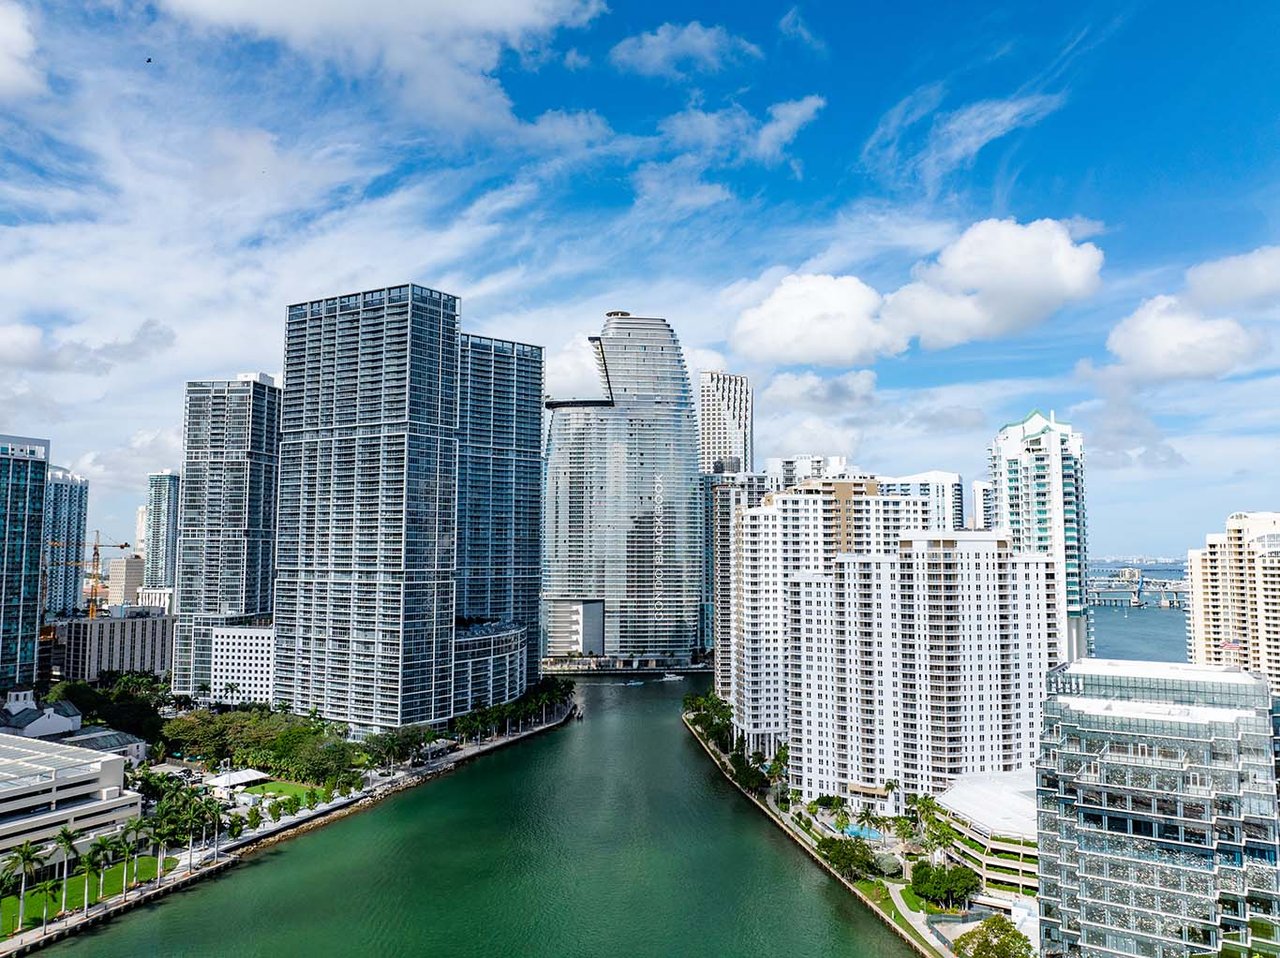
(281, 788)
(111, 885)
(876, 891)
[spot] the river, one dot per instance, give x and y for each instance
(614, 835)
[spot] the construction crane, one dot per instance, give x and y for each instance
(95, 566)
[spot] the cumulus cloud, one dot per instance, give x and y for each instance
(18, 73)
(1249, 279)
(832, 394)
(444, 55)
(1164, 338)
(672, 51)
(824, 320)
(997, 278)
(28, 347)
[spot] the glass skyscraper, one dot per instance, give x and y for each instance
(227, 518)
(24, 470)
(364, 606)
(161, 561)
(500, 485)
(66, 516)
(1158, 818)
(623, 530)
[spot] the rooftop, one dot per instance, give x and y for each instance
(1000, 803)
(1154, 711)
(26, 761)
(1176, 671)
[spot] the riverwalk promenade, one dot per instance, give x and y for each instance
(205, 861)
(917, 934)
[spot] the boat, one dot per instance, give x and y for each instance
(671, 677)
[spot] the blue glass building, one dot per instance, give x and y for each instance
(161, 563)
(24, 471)
(66, 517)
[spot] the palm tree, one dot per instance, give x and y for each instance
(235, 826)
(190, 820)
(24, 861)
(87, 867)
(159, 835)
(867, 818)
(254, 819)
(103, 850)
(65, 842)
(46, 889)
(134, 830)
(212, 809)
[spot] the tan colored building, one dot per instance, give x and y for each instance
(1233, 604)
(124, 579)
(138, 639)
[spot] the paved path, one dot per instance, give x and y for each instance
(917, 920)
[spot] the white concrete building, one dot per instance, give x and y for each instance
(727, 495)
(917, 664)
(983, 506)
(45, 786)
(140, 532)
(1233, 613)
(792, 533)
(1038, 489)
(785, 471)
(244, 658)
(944, 490)
(726, 433)
(124, 580)
(161, 599)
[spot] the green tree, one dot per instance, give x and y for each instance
(65, 842)
(842, 820)
(867, 818)
(102, 850)
(46, 890)
(254, 819)
(851, 858)
(24, 861)
(996, 937)
(88, 868)
(134, 831)
(235, 826)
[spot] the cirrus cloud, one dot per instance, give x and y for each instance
(672, 51)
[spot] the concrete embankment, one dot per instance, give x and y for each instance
(924, 950)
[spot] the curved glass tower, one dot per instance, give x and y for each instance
(623, 535)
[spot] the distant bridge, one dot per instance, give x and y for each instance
(1133, 591)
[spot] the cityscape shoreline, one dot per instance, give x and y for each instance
(30, 942)
(922, 949)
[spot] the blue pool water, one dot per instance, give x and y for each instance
(857, 831)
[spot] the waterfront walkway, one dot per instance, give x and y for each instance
(201, 862)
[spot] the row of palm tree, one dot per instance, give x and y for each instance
(484, 722)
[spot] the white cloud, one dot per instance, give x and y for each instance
(793, 26)
(831, 394)
(1164, 338)
(1249, 279)
(442, 54)
(732, 135)
(956, 138)
(883, 149)
(671, 51)
(27, 347)
(997, 278)
(576, 60)
(18, 73)
(812, 318)
(785, 121)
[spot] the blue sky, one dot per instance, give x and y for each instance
(909, 223)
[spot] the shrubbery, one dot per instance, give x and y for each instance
(943, 885)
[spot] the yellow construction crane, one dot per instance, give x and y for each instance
(95, 566)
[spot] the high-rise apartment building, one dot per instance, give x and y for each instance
(726, 431)
(364, 605)
(1233, 603)
(161, 555)
(66, 518)
(727, 495)
(945, 490)
(785, 471)
(983, 516)
(623, 526)
(24, 470)
(1156, 790)
(793, 533)
(227, 516)
(499, 563)
(1038, 490)
(140, 532)
(916, 663)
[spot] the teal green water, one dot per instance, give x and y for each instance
(611, 836)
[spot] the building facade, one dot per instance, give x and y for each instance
(66, 518)
(785, 471)
(622, 572)
(124, 580)
(1038, 496)
(727, 495)
(725, 424)
(490, 662)
(364, 604)
(227, 516)
(919, 663)
(1156, 792)
(242, 664)
(945, 490)
(24, 472)
(983, 503)
(125, 639)
(499, 564)
(1233, 601)
(161, 552)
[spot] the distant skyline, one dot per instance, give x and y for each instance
(907, 225)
